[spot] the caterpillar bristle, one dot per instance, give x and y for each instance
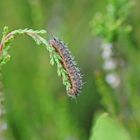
(69, 65)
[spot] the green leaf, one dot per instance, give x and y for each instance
(52, 61)
(5, 31)
(107, 128)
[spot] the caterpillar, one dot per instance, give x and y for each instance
(69, 65)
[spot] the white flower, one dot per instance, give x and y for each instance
(106, 51)
(106, 46)
(3, 126)
(109, 64)
(113, 80)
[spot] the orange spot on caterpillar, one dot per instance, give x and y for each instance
(69, 65)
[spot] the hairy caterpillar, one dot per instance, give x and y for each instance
(69, 65)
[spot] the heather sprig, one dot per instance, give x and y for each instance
(55, 58)
(112, 23)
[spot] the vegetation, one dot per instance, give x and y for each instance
(104, 38)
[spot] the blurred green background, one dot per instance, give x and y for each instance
(36, 102)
